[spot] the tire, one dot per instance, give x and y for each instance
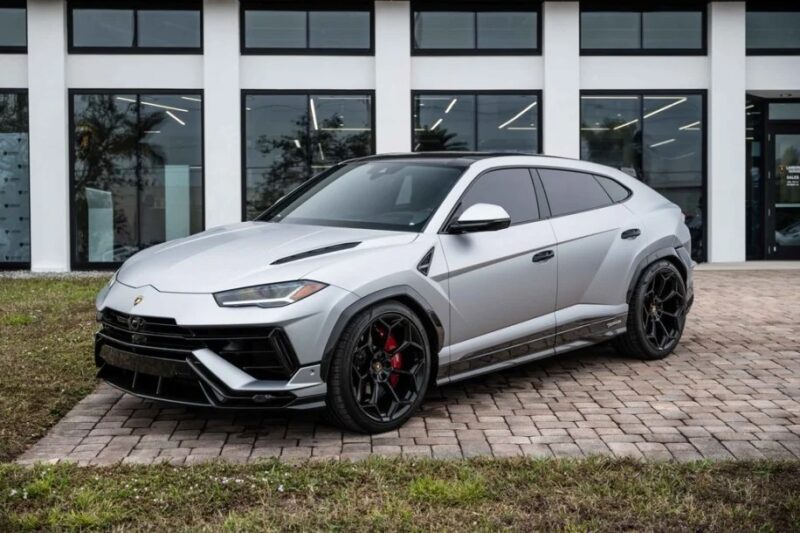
(656, 313)
(380, 369)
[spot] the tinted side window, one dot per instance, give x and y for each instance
(616, 191)
(511, 189)
(571, 192)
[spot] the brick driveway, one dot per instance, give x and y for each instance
(732, 390)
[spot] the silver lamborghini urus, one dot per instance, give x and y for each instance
(375, 280)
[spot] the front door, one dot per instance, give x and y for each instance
(783, 193)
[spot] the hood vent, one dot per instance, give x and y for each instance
(318, 251)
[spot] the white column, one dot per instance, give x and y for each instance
(48, 123)
(222, 113)
(561, 52)
(726, 132)
(392, 77)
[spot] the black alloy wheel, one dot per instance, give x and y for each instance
(380, 370)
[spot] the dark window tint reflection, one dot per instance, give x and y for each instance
(275, 29)
(338, 29)
(15, 240)
(137, 172)
(13, 27)
(484, 122)
(102, 27)
(610, 30)
(462, 29)
(655, 138)
(616, 191)
(299, 29)
(444, 30)
(511, 189)
(572, 192)
(169, 29)
(513, 29)
(290, 137)
(641, 30)
(177, 27)
(776, 30)
(672, 30)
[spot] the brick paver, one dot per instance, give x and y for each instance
(731, 390)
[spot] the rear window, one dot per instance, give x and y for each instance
(571, 192)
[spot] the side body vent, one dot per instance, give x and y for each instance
(318, 251)
(424, 265)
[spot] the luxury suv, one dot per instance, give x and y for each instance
(384, 275)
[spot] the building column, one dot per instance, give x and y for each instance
(392, 77)
(561, 55)
(222, 113)
(49, 140)
(726, 132)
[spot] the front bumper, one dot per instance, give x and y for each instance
(184, 348)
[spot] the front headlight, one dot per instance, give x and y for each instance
(272, 295)
(101, 296)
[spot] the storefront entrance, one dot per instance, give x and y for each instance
(773, 192)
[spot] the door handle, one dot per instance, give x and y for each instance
(543, 256)
(631, 233)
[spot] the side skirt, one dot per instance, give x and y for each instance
(569, 337)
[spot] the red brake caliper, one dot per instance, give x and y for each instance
(396, 361)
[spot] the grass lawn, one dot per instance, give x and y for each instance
(46, 364)
(46, 330)
(593, 494)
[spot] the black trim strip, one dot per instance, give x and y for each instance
(316, 252)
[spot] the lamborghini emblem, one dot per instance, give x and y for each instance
(137, 301)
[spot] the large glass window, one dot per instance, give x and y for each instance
(621, 28)
(13, 26)
(773, 28)
(291, 137)
(283, 27)
(469, 27)
(136, 26)
(137, 174)
(15, 240)
(657, 138)
(487, 122)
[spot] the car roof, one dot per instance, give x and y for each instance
(454, 158)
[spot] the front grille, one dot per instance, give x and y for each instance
(264, 352)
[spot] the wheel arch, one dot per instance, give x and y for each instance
(434, 329)
(671, 254)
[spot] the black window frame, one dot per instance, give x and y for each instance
(19, 4)
(532, 6)
(135, 6)
(651, 7)
(307, 6)
(771, 6)
(534, 92)
(703, 93)
(244, 93)
(22, 265)
(76, 264)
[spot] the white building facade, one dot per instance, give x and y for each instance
(125, 126)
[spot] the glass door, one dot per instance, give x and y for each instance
(783, 192)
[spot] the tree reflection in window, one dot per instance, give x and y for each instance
(291, 137)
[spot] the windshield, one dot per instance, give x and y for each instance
(390, 195)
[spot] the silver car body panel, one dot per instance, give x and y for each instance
(495, 307)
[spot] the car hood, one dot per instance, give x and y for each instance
(241, 255)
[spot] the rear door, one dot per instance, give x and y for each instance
(499, 295)
(588, 218)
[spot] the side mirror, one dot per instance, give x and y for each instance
(481, 217)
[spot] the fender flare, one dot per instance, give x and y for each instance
(399, 291)
(652, 257)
